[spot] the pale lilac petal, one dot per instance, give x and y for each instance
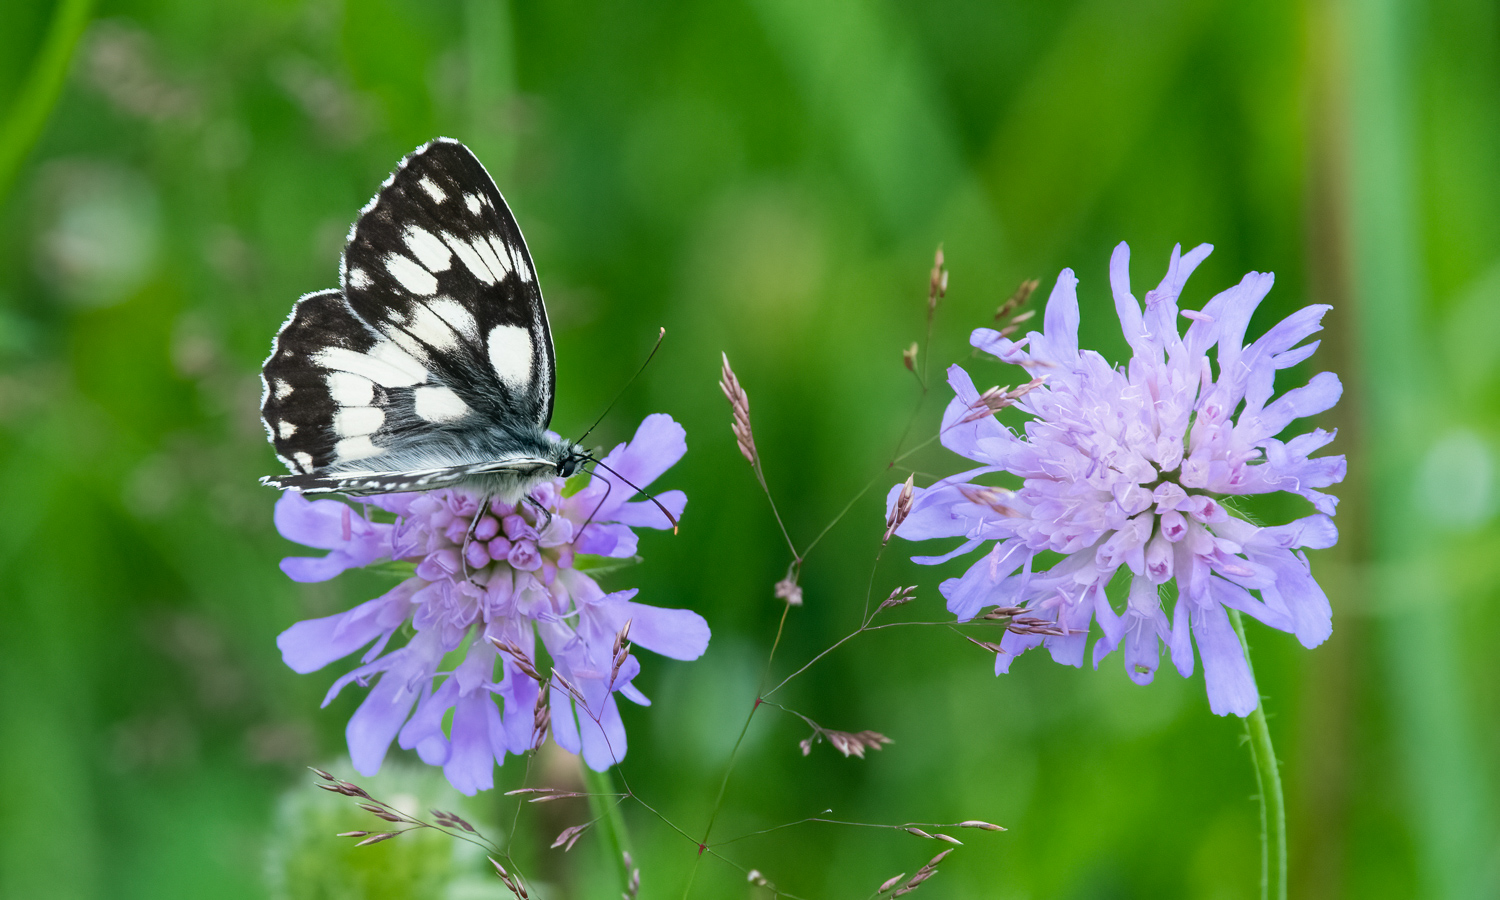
(312, 644)
(1180, 640)
(375, 724)
(1316, 396)
(607, 540)
(658, 444)
(1231, 689)
(1296, 591)
(603, 736)
(1126, 306)
(673, 633)
(471, 758)
(564, 722)
(325, 524)
(645, 514)
(976, 439)
(1059, 341)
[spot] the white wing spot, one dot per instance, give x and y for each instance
(304, 460)
(352, 421)
(456, 315)
(411, 276)
(283, 390)
(523, 268)
(510, 256)
(433, 191)
(349, 389)
(430, 251)
(389, 353)
(430, 328)
(353, 448)
(386, 364)
(439, 404)
(472, 202)
(498, 262)
(510, 354)
(470, 259)
(286, 429)
(359, 279)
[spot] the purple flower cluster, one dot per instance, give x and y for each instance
(1128, 467)
(513, 579)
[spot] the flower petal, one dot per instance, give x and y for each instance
(1231, 688)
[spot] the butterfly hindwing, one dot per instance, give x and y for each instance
(303, 398)
(437, 265)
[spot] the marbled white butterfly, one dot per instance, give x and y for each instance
(431, 366)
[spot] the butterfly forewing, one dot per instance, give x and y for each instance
(433, 364)
(437, 265)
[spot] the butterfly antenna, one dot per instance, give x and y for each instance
(670, 518)
(659, 337)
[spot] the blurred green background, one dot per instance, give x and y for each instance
(767, 178)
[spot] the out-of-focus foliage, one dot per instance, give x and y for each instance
(767, 178)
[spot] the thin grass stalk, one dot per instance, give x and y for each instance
(43, 85)
(604, 803)
(1268, 787)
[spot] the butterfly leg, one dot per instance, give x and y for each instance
(541, 510)
(608, 486)
(484, 507)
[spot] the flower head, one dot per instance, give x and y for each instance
(1129, 467)
(487, 582)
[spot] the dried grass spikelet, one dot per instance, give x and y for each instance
(452, 820)
(909, 357)
(633, 885)
(922, 874)
(846, 742)
(998, 398)
(621, 652)
(570, 836)
(937, 283)
(541, 720)
(900, 509)
(1016, 301)
(377, 837)
(898, 597)
(890, 883)
(997, 499)
(511, 882)
(740, 402)
(789, 590)
(520, 657)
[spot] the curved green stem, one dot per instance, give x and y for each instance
(604, 803)
(1268, 784)
(39, 92)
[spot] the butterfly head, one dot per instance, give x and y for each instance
(571, 460)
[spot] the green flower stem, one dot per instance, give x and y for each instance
(605, 806)
(1268, 783)
(41, 88)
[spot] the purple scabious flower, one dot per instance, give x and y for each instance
(1128, 467)
(514, 580)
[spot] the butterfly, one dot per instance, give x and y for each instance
(431, 366)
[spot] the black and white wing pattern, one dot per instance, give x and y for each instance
(434, 359)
